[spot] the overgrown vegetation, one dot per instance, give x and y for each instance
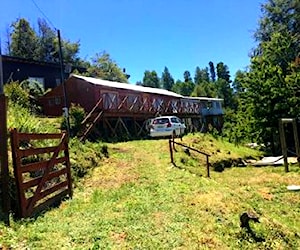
(22, 116)
(76, 116)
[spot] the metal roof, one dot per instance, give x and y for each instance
(202, 98)
(127, 86)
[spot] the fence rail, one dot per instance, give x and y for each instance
(172, 143)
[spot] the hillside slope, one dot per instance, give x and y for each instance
(136, 199)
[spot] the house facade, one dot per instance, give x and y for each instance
(125, 108)
(46, 73)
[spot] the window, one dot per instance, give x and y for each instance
(39, 80)
(51, 102)
(110, 100)
(161, 121)
(132, 102)
(57, 100)
(175, 120)
(57, 81)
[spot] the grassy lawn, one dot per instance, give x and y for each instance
(136, 199)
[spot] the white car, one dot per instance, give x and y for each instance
(166, 126)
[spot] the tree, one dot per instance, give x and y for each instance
(166, 79)
(42, 46)
(223, 87)
(187, 76)
(206, 89)
(278, 16)
(46, 49)
(23, 40)
(201, 75)
(203, 86)
(151, 79)
(212, 71)
(223, 72)
(184, 88)
(105, 68)
(271, 87)
(238, 83)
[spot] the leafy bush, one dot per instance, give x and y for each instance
(88, 158)
(76, 116)
(17, 95)
(21, 118)
(34, 90)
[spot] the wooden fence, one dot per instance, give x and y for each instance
(42, 174)
(172, 143)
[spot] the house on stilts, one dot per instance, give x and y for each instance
(122, 110)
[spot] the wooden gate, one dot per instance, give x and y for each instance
(42, 174)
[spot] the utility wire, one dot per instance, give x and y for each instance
(45, 16)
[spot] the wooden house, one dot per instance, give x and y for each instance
(118, 109)
(48, 74)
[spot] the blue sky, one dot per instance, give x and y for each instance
(150, 34)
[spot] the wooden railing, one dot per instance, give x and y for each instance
(172, 143)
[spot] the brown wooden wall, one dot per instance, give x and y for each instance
(114, 100)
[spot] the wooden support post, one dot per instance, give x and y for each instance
(295, 129)
(171, 151)
(4, 158)
(173, 141)
(283, 144)
(207, 166)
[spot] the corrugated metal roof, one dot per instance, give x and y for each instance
(127, 86)
(202, 98)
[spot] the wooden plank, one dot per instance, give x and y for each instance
(27, 205)
(4, 158)
(171, 151)
(134, 104)
(122, 103)
(283, 144)
(90, 127)
(124, 126)
(37, 151)
(193, 149)
(207, 166)
(36, 181)
(110, 127)
(31, 136)
(92, 111)
(47, 170)
(68, 168)
(142, 128)
(58, 197)
(41, 164)
(296, 138)
(17, 173)
(34, 199)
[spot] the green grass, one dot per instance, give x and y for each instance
(136, 199)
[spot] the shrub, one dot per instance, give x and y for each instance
(76, 116)
(88, 158)
(17, 95)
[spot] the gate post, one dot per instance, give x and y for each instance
(283, 121)
(4, 158)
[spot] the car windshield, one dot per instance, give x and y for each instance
(161, 121)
